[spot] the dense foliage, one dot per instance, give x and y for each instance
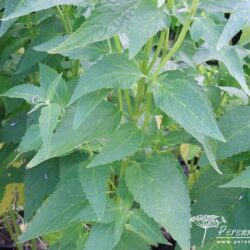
(123, 119)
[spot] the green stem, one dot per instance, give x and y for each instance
(128, 101)
(118, 45)
(166, 43)
(148, 110)
(148, 49)
(33, 244)
(157, 52)
(65, 10)
(139, 96)
(120, 100)
(179, 40)
(29, 22)
(62, 19)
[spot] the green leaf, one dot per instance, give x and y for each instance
(94, 183)
(61, 209)
(187, 104)
(86, 106)
(39, 183)
(100, 124)
(235, 126)
(124, 142)
(28, 6)
(47, 123)
(141, 224)
(130, 240)
(238, 19)
(148, 20)
(52, 88)
(102, 236)
(154, 185)
(90, 52)
(209, 31)
(31, 139)
(31, 93)
(54, 85)
(241, 181)
(107, 20)
(113, 71)
(9, 8)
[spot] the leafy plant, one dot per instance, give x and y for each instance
(122, 120)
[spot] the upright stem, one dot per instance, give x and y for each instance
(128, 101)
(157, 52)
(63, 19)
(179, 40)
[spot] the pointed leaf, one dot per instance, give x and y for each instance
(102, 123)
(113, 71)
(147, 21)
(31, 93)
(238, 19)
(86, 105)
(187, 104)
(159, 187)
(94, 183)
(130, 240)
(52, 88)
(141, 224)
(47, 123)
(60, 210)
(241, 181)
(124, 142)
(108, 19)
(204, 28)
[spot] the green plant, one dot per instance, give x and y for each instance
(109, 115)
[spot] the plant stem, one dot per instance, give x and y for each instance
(139, 96)
(67, 17)
(120, 100)
(33, 244)
(148, 110)
(29, 22)
(179, 40)
(118, 45)
(204, 237)
(62, 19)
(128, 101)
(157, 52)
(148, 49)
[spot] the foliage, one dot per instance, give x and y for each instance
(120, 120)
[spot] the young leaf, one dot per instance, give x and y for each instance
(238, 19)
(155, 184)
(185, 102)
(102, 123)
(86, 105)
(28, 6)
(113, 71)
(94, 183)
(31, 93)
(124, 142)
(47, 123)
(241, 181)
